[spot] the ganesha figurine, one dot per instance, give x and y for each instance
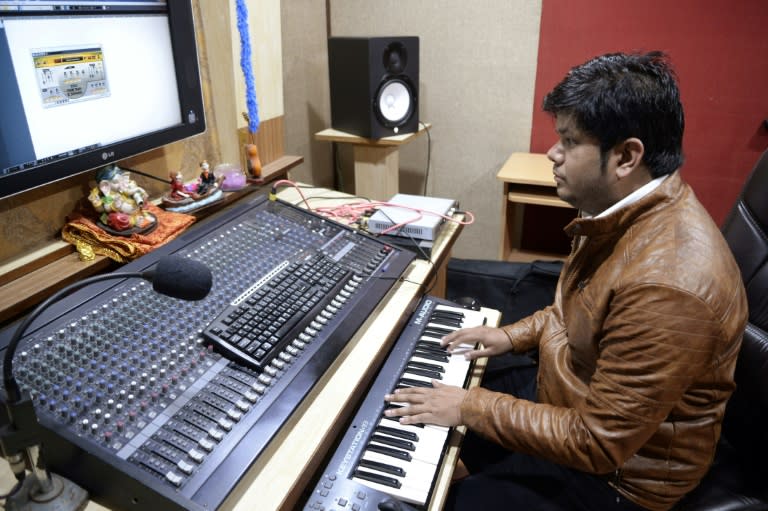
(120, 203)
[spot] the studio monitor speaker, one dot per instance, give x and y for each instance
(374, 83)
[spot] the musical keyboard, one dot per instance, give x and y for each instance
(378, 458)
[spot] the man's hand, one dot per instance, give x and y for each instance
(439, 405)
(493, 341)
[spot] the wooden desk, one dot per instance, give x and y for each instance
(377, 161)
(288, 466)
(527, 179)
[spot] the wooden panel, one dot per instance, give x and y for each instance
(269, 140)
(377, 171)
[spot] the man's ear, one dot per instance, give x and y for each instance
(630, 155)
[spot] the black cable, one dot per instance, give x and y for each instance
(337, 174)
(429, 156)
(134, 171)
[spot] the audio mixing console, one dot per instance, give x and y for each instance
(142, 408)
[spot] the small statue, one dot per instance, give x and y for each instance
(177, 187)
(253, 161)
(178, 195)
(121, 202)
(186, 197)
(207, 182)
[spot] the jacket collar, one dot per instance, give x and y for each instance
(622, 218)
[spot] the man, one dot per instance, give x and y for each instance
(637, 352)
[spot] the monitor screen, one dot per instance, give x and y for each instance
(88, 83)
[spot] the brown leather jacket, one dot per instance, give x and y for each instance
(637, 353)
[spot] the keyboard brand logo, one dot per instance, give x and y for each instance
(423, 312)
(350, 454)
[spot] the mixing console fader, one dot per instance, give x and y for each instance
(151, 402)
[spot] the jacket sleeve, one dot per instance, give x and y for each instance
(524, 334)
(648, 356)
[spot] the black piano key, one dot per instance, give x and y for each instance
(408, 435)
(389, 451)
(430, 355)
(423, 372)
(438, 332)
(410, 382)
(393, 442)
(382, 467)
(429, 367)
(453, 324)
(447, 319)
(430, 345)
(449, 313)
(397, 419)
(377, 478)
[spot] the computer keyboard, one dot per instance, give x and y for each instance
(290, 305)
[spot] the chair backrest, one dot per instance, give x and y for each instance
(746, 230)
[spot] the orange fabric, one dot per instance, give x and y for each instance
(82, 227)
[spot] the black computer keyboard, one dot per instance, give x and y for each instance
(289, 305)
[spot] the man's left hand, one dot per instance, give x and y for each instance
(439, 405)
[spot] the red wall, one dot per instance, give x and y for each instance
(719, 49)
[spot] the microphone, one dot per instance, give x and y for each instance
(180, 277)
(174, 276)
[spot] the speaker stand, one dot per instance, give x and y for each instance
(64, 495)
(377, 161)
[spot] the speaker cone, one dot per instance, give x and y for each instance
(394, 103)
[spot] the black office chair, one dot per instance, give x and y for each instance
(738, 479)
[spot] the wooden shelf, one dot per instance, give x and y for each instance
(527, 180)
(332, 135)
(29, 280)
(535, 197)
(527, 169)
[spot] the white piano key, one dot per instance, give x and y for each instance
(415, 485)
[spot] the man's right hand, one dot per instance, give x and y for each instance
(493, 341)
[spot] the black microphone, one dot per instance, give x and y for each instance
(174, 276)
(180, 277)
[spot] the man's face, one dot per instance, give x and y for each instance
(580, 180)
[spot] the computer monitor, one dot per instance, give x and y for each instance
(88, 83)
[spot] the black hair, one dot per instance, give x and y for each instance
(617, 96)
